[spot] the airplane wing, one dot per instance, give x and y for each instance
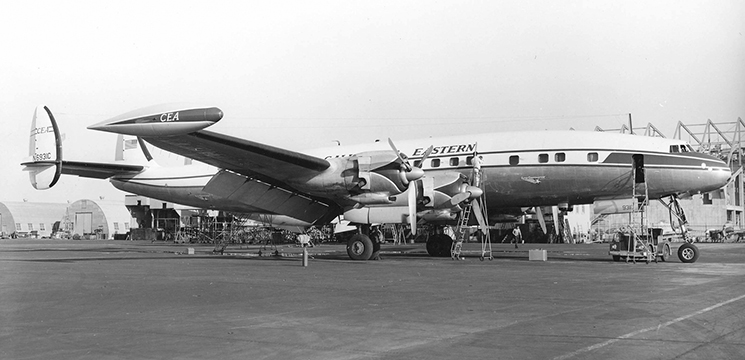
(258, 173)
(242, 156)
(180, 131)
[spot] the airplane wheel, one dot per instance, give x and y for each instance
(666, 253)
(439, 245)
(688, 253)
(616, 257)
(359, 247)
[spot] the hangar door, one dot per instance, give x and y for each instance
(83, 223)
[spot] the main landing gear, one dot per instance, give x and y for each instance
(439, 245)
(361, 246)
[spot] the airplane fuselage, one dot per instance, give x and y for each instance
(521, 169)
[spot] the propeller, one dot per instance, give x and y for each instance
(468, 192)
(408, 176)
(541, 219)
(557, 224)
(479, 215)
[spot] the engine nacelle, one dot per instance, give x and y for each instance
(161, 120)
(379, 172)
(438, 191)
(378, 215)
(366, 178)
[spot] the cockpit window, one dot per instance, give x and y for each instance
(683, 148)
(674, 148)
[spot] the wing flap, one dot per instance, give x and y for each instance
(266, 196)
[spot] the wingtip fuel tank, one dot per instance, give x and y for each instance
(161, 120)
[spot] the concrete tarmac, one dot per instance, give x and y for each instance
(141, 300)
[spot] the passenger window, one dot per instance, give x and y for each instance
(418, 163)
(592, 157)
(454, 161)
(542, 158)
(560, 157)
(674, 148)
(469, 160)
(435, 163)
(514, 160)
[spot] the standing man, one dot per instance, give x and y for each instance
(517, 235)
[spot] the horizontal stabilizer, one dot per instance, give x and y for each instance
(45, 164)
(41, 170)
(99, 170)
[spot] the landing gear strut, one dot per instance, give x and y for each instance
(687, 253)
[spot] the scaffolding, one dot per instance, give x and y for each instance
(723, 139)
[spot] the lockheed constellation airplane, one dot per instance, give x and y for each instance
(375, 183)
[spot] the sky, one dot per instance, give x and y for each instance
(300, 74)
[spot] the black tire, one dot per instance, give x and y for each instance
(666, 252)
(616, 257)
(688, 253)
(359, 247)
(439, 245)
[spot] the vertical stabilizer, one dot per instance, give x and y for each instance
(45, 150)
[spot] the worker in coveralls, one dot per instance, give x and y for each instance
(517, 235)
(377, 237)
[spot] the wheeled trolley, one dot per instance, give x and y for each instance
(645, 247)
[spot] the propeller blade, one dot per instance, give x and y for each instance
(557, 224)
(400, 156)
(459, 198)
(479, 215)
(426, 155)
(541, 219)
(412, 206)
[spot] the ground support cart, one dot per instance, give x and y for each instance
(632, 248)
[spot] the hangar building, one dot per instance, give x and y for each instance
(29, 218)
(101, 219)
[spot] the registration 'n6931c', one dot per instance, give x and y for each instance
(43, 156)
